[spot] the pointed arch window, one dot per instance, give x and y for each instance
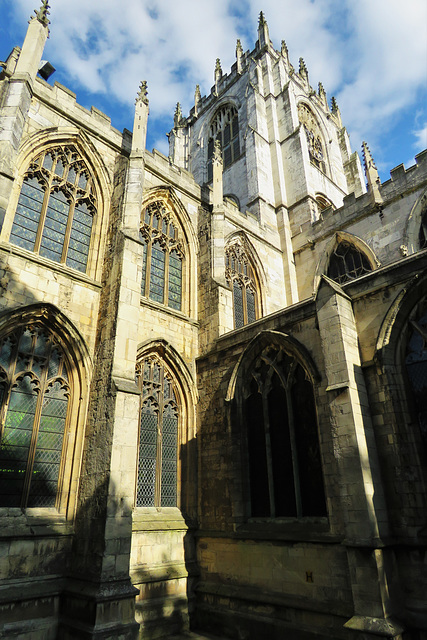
(423, 231)
(284, 463)
(225, 129)
(240, 275)
(416, 367)
(347, 262)
(56, 208)
(313, 135)
(34, 395)
(158, 436)
(162, 268)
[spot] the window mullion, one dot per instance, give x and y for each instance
(148, 267)
(166, 282)
(68, 230)
(42, 219)
(294, 453)
(269, 458)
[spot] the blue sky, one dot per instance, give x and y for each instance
(370, 54)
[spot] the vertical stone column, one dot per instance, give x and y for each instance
(106, 494)
(17, 98)
(363, 504)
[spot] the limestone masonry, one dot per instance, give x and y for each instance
(213, 366)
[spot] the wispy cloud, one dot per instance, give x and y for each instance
(370, 54)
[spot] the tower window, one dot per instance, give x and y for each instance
(347, 262)
(56, 207)
(163, 257)
(34, 397)
(240, 276)
(225, 129)
(284, 464)
(158, 436)
(313, 136)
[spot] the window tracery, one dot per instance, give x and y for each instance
(162, 269)
(313, 135)
(284, 463)
(347, 262)
(240, 275)
(157, 479)
(56, 207)
(416, 367)
(34, 396)
(225, 129)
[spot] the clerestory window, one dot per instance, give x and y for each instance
(240, 275)
(56, 207)
(347, 262)
(34, 399)
(284, 464)
(158, 436)
(225, 129)
(162, 268)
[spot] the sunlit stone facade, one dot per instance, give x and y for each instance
(213, 367)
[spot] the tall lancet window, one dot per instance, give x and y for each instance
(56, 208)
(416, 366)
(313, 135)
(34, 399)
(162, 268)
(225, 129)
(240, 275)
(158, 436)
(284, 463)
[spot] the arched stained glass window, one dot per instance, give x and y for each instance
(158, 437)
(34, 394)
(240, 275)
(284, 464)
(416, 366)
(56, 207)
(423, 230)
(225, 129)
(162, 268)
(347, 262)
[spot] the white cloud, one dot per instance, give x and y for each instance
(370, 54)
(421, 138)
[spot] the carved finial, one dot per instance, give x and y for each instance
(217, 153)
(239, 55)
(197, 98)
(303, 69)
(285, 51)
(371, 173)
(218, 70)
(142, 93)
(263, 36)
(322, 95)
(42, 13)
(334, 104)
(177, 115)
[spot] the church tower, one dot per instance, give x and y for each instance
(286, 154)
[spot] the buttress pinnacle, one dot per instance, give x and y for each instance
(42, 13)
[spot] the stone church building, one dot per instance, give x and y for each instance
(213, 366)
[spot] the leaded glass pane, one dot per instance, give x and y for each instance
(157, 275)
(48, 162)
(238, 305)
(147, 457)
(175, 281)
(27, 216)
(55, 226)
(250, 303)
(347, 263)
(144, 263)
(82, 181)
(6, 352)
(59, 169)
(71, 175)
(16, 440)
(47, 460)
(81, 229)
(169, 457)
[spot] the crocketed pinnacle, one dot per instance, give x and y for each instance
(262, 21)
(303, 68)
(178, 115)
(42, 13)
(142, 93)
